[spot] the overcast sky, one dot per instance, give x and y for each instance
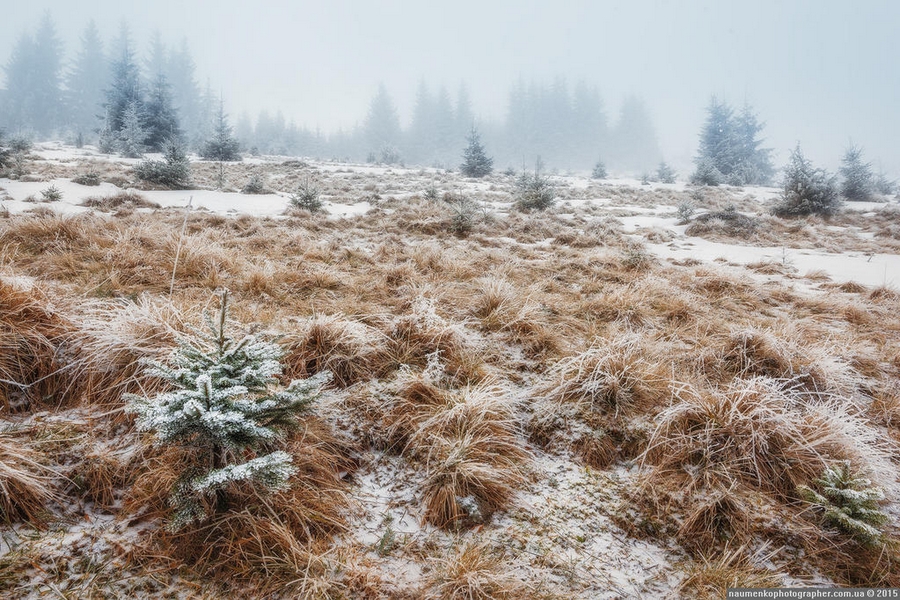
(821, 72)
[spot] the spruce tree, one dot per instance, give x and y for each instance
(730, 148)
(806, 190)
(857, 176)
(125, 84)
(475, 162)
(226, 407)
(132, 135)
(85, 82)
(849, 503)
(160, 117)
(221, 146)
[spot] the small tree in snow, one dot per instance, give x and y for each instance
(807, 190)
(224, 406)
(599, 171)
(848, 502)
(857, 175)
(222, 146)
(665, 173)
(475, 162)
(132, 134)
(174, 171)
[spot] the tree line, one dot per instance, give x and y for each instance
(129, 102)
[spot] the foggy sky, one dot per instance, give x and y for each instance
(821, 72)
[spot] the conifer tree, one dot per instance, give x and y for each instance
(730, 148)
(226, 407)
(132, 135)
(848, 502)
(475, 162)
(160, 117)
(85, 82)
(221, 146)
(382, 126)
(857, 175)
(125, 84)
(806, 190)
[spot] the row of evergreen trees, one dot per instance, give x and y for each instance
(566, 129)
(130, 105)
(104, 92)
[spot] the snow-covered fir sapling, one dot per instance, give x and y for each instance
(226, 406)
(848, 502)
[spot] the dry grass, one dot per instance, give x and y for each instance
(444, 349)
(27, 482)
(594, 398)
(35, 365)
(474, 571)
(712, 576)
(752, 432)
(351, 350)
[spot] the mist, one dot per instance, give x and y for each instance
(821, 73)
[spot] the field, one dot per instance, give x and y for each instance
(644, 391)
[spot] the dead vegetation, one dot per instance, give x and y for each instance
(472, 360)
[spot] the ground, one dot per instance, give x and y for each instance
(617, 397)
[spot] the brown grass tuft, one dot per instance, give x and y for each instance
(474, 571)
(750, 432)
(713, 575)
(351, 350)
(35, 363)
(26, 481)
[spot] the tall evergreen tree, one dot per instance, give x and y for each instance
(382, 126)
(421, 136)
(160, 117)
(125, 83)
(19, 83)
(730, 148)
(463, 115)
(180, 73)
(46, 109)
(857, 175)
(133, 135)
(33, 78)
(635, 146)
(221, 146)
(86, 81)
(475, 162)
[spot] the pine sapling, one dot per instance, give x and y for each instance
(225, 405)
(848, 503)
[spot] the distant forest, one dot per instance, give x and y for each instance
(104, 89)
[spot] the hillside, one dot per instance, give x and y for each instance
(639, 392)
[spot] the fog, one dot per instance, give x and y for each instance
(819, 72)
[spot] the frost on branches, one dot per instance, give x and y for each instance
(225, 405)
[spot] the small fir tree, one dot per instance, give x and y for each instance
(599, 171)
(665, 173)
(807, 190)
(475, 162)
(132, 134)
(857, 175)
(848, 503)
(174, 171)
(535, 192)
(222, 146)
(225, 407)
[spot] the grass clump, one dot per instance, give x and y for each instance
(91, 178)
(26, 481)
